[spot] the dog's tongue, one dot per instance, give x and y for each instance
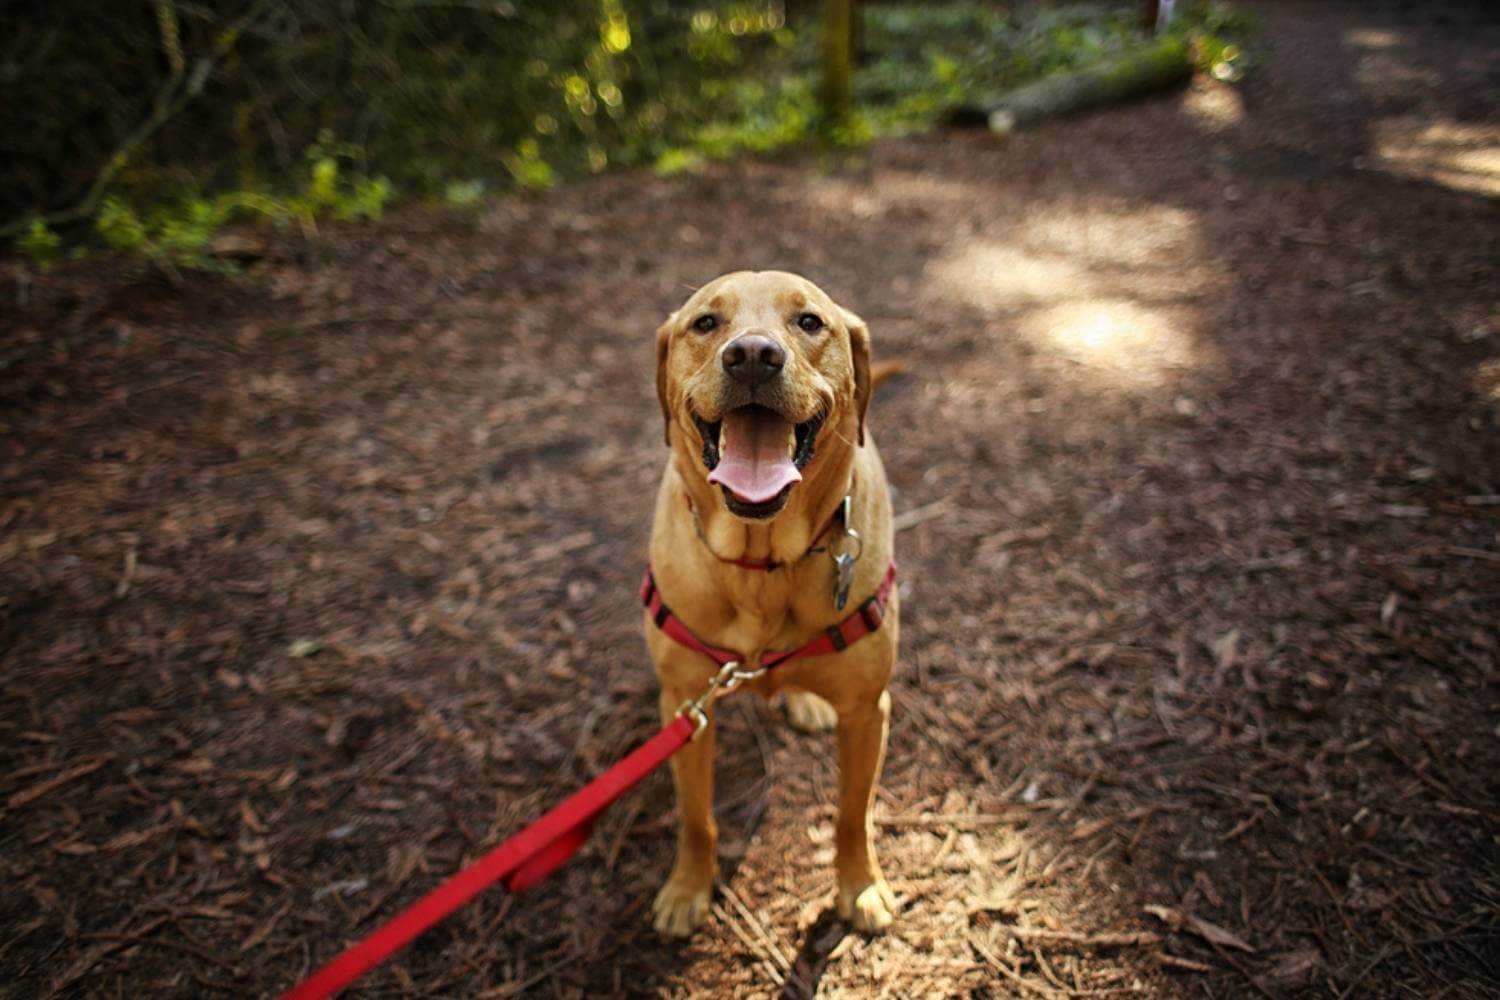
(754, 464)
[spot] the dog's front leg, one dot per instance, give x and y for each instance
(683, 902)
(864, 898)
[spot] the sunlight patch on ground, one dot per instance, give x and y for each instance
(839, 197)
(1487, 380)
(843, 196)
(1149, 236)
(987, 275)
(1389, 71)
(970, 888)
(1421, 142)
(1057, 255)
(1121, 341)
(1213, 106)
(1113, 292)
(1371, 38)
(1464, 156)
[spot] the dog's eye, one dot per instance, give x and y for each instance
(707, 323)
(810, 322)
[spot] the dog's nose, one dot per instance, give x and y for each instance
(752, 358)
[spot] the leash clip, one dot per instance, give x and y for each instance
(729, 677)
(843, 562)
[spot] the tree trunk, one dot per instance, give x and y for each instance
(1150, 68)
(838, 58)
(1148, 9)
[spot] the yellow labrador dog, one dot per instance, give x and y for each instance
(772, 532)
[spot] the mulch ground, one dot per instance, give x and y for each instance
(318, 581)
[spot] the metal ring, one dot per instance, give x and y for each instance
(859, 548)
(694, 711)
(728, 677)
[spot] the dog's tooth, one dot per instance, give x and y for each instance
(791, 441)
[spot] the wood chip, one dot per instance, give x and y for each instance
(29, 795)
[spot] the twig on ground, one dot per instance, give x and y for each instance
(770, 943)
(978, 821)
(127, 573)
(1007, 971)
(81, 967)
(1037, 935)
(920, 515)
(749, 942)
(1465, 552)
(1178, 962)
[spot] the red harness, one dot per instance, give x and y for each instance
(834, 639)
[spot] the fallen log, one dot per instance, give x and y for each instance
(1144, 70)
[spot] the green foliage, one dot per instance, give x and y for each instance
(464, 194)
(39, 243)
(172, 236)
(332, 190)
(676, 161)
(179, 234)
(455, 100)
(1219, 36)
(366, 200)
(921, 61)
(531, 172)
(925, 61)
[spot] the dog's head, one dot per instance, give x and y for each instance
(762, 378)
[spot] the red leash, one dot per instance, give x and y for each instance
(538, 850)
(519, 863)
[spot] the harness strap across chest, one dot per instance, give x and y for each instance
(834, 639)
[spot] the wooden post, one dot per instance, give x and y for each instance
(1149, 10)
(838, 59)
(1157, 14)
(856, 35)
(1166, 10)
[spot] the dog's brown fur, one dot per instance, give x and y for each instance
(754, 611)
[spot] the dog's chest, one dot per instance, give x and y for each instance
(776, 613)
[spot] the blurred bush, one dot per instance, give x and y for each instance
(424, 92)
(301, 108)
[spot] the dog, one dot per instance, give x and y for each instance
(765, 385)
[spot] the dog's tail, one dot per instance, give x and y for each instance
(880, 371)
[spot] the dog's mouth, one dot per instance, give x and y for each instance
(755, 456)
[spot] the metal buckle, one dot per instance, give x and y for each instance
(729, 677)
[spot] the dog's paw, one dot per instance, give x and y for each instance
(870, 909)
(809, 713)
(681, 907)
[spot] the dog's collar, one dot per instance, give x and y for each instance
(838, 516)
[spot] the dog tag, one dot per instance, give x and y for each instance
(843, 565)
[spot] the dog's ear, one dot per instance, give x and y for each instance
(663, 343)
(859, 350)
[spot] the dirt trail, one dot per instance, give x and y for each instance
(312, 587)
